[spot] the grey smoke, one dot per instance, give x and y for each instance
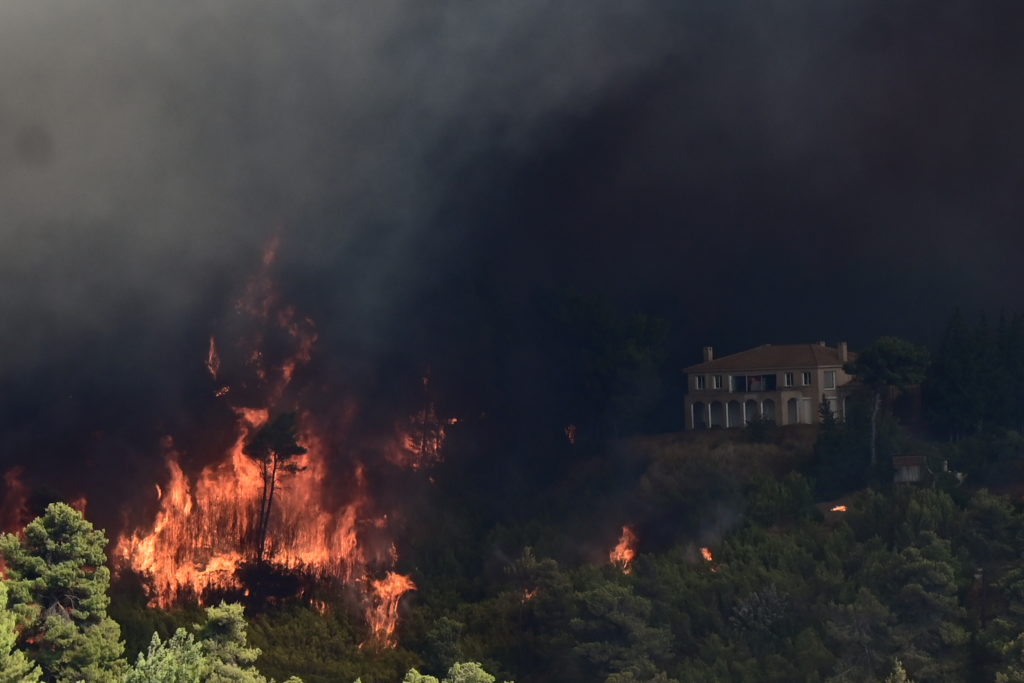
(149, 149)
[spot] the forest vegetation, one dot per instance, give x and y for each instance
(764, 554)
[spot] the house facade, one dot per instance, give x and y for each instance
(782, 383)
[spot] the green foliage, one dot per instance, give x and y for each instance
(322, 648)
(774, 501)
(460, 672)
(890, 362)
(898, 675)
(974, 382)
(14, 665)
(615, 634)
(224, 643)
(58, 585)
(180, 659)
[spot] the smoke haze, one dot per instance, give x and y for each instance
(753, 171)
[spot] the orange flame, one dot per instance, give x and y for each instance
(423, 437)
(14, 512)
(706, 554)
(624, 552)
(838, 508)
(383, 615)
(205, 523)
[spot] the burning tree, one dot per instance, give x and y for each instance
(273, 447)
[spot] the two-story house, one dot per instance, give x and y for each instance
(784, 383)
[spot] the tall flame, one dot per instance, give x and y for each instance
(383, 615)
(623, 553)
(205, 524)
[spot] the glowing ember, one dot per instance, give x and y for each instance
(422, 438)
(838, 508)
(570, 433)
(14, 512)
(383, 615)
(623, 553)
(706, 554)
(529, 594)
(79, 504)
(213, 358)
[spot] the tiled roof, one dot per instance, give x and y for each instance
(771, 357)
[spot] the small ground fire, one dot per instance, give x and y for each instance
(625, 550)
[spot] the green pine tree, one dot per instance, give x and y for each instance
(58, 585)
(224, 642)
(179, 659)
(14, 665)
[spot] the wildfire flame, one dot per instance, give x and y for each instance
(838, 508)
(205, 524)
(383, 615)
(623, 553)
(706, 554)
(422, 438)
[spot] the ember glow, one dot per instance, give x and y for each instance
(838, 508)
(14, 513)
(570, 434)
(706, 554)
(625, 550)
(205, 527)
(421, 439)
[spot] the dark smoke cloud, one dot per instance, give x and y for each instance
(148, 150)
(754, 170)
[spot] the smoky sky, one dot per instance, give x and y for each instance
(769, 171)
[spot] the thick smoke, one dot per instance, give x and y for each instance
(150, 150)
(756, 170)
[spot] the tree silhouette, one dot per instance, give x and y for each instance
(274, 446)
(889, 362)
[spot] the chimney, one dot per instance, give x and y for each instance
(844, 354)
(709, 353)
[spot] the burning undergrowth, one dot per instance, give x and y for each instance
(278, 513)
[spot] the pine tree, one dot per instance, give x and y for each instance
(179, 659)
(14, 666)
(58, 585)
(225, 644)
(273, 447)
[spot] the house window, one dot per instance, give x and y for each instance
(717, 379)
(739, 383)
(830, 379)
(700, 381)
(761, 382)
(807, 379)
(787, 379)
